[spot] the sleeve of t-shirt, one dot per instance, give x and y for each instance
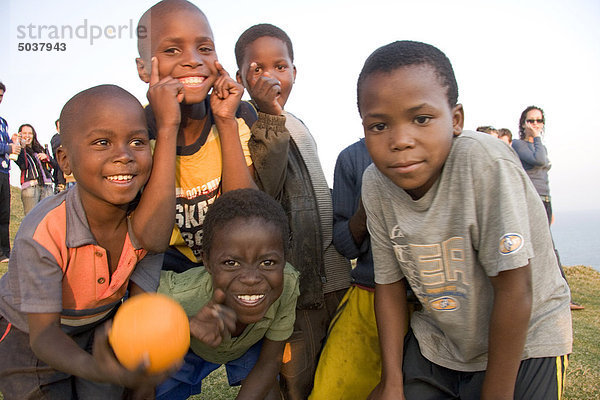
(283, 325)
(147, 272)
(38, 282)
(505, 198)
(385, 264)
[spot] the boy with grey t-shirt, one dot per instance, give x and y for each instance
(454, 215)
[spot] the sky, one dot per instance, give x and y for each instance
(506, 54)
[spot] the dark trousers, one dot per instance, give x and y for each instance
(537, 379)
(25, 377)
(4, 214)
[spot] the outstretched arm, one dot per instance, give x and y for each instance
(51, 345)
(152, 220)
(508, 331)
(261, 382)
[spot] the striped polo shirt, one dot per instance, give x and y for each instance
(57, 266)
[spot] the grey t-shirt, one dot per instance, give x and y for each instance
(481, 217)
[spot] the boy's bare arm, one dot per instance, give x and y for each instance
(224, 101)
(508, 331)
(263, 376)
(54, 347)
(154, 216)
(391, 312)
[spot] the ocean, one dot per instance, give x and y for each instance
(577, 237)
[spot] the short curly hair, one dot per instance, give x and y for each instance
(245, 204)
(256, 32)
(407, 53)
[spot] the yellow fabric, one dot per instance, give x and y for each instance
(350, 363)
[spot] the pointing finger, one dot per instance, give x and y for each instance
(154, 72)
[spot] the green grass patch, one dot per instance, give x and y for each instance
(583, 374)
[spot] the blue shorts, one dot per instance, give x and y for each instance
(188, 380)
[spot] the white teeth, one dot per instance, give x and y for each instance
(192, 80)
(120, 177)
(250, 298)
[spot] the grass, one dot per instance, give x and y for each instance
(583, 374)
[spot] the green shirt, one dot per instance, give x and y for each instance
(193, 290)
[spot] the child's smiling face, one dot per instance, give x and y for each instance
(182, 41)
(246, 261)
(108, 150)
(409, 125)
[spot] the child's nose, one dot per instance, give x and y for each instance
(250, 276)
(193, 58)
(400, 139)
(123, 154)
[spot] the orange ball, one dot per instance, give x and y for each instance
(150, 323)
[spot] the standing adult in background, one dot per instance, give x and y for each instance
(6, 148)
(534, 158)
(57, 174)
(36, 169)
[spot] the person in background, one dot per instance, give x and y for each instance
(490, 130)
(350, 364)
(36, 169)
(505, 135)
(7, 148)
(534, 158)
(58, 176)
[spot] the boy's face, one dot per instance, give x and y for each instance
(273, 60)
(183, 43)
(108, 152)
(409, 125)
(246, 261)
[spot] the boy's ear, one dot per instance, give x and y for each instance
(63, 160)
(294, 74)
(143, 72)
(205, 262)
(458, 119)
(238, 78)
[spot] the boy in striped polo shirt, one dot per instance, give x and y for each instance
(79, 253)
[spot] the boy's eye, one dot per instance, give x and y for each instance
(378, 127)
(170, 50)
(422, 119)
(138, 142)
(101, 142)
(281, 67)
(205, 49)
(267, 263)
(231, 263)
